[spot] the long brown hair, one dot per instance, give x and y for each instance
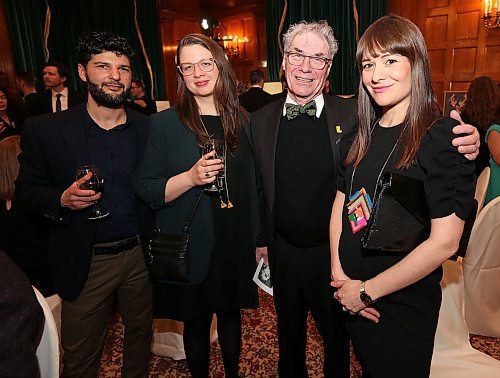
(483, 103)
(225, 94)
(9, 166)
(396, 35)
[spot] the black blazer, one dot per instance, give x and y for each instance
(254, 99)
(53, 146)
(264, 123)
(74, 98)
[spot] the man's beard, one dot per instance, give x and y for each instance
(106, 99)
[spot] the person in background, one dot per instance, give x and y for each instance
(141, 102)
(296, 147)
(482, 108)
(58, 96)
(25, 235)
(255, 98)
(26, 85)
(393, 299)
(223, 232)
(8, 117)
(95, 261)
(21, 322)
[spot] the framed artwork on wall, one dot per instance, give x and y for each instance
(454, 100)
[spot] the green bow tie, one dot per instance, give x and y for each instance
(292, 110)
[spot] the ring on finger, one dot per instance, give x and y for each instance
(207, 175)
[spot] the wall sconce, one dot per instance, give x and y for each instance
(490, 21)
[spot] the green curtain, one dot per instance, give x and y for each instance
(70, 19)
(25, 21)
(339, 14)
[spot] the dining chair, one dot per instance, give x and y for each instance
(48, 349)
(481, 187)
(482, 273)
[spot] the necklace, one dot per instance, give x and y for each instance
(383, 166)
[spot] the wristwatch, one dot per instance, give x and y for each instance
(365, 298)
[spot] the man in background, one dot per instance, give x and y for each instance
(255, 98)
(26, 85)
(141, 102)
(58, 96)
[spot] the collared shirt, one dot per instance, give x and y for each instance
(64, 99)
(113, 152)
(320, 104)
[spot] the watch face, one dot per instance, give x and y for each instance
(365, 298)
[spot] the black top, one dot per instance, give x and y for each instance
(305, 180)
(24, 236)
(111, 152)
(7, 129)
(448, 180)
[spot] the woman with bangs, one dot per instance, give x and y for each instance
(394, 298)
(224, 229)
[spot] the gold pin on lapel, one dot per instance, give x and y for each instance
(338, 129)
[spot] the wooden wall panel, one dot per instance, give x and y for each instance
(6, 55)
(460, 47)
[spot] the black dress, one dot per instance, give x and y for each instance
(229, 284)
(401, 343)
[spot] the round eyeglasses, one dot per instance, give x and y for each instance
(316, 62)
(205, 65)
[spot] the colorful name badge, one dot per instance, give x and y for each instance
(359, 209)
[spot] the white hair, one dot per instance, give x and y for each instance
(320, 28)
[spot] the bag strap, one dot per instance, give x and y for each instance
(189, 220)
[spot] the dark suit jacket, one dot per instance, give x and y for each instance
(254, 99)
(74, 98)
(264, 124)
(54, 146)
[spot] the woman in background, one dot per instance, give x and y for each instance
(394, 298)
(24, 235)
(482, 109)
(224, 228)
(7, 117)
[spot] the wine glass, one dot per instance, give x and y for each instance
(220, 153)
(95, 183)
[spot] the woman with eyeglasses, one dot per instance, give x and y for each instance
(225, 225)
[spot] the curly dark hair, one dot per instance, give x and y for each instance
(98, 42)
(482, 107)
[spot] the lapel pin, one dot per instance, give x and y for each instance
(338, 129)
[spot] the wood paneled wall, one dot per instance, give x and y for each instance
(248, 21)
(460, 47)
(6, 55)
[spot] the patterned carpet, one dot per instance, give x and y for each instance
(259, 353)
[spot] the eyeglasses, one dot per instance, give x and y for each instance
(316, 62)
(206, 65)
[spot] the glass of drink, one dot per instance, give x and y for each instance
(95, 183)
(220, 153)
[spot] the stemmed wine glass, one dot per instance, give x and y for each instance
(95, 183)
(220, 153)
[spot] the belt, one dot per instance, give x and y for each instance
(113, 248)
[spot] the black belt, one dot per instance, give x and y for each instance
(114, 248)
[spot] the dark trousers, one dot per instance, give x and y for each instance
(301, 281)
(84, 322)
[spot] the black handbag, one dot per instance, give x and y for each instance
(400, 219)
(169, 253)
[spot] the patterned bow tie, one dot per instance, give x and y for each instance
(292, 110)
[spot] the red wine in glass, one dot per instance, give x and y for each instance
(95, 183)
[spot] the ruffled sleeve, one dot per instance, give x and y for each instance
(449, 176)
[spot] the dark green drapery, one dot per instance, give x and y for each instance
(71, 19)
(339, 14)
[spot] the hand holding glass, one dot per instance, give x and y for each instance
(220, 153)
(95, 183)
